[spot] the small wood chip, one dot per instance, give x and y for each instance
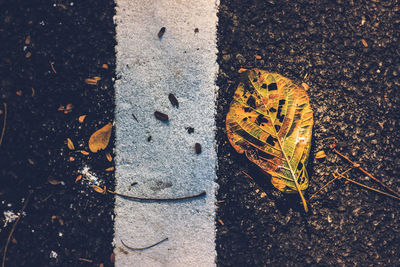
(70, 144)
(197, 148)
(98, 189)
(364, 43)
(161, 116)
(257, 56)
(161, 32)
(28, 55)
(221, 222)
(19, 93)
(173, 100)
(104, 66)
(242, 70)
(71, 159)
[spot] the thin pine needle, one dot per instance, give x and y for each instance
(4, 123)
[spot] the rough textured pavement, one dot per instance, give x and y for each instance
(354, 91)
(158, 156)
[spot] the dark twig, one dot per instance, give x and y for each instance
(144, 248)
(4, 123)
(356, 165)
(13, 228)
(158, 199)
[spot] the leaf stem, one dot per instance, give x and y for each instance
(294, 178)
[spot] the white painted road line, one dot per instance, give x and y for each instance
(182, 62)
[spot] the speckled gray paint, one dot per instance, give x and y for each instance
(182, 62)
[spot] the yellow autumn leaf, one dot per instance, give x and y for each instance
(99, 139)
(270, 121)
(70, 144)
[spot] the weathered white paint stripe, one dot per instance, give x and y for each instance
(183, 63)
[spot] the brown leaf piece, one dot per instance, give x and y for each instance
(320, 155)
(99, 139)
(70, 144)
(270, 121)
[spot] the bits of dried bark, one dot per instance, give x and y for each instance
(197, 148)
(173, 100)
(161, 32)
(161, 116)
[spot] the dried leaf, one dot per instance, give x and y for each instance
(54, 182)
(78, 178)
(110, 169)
(84, 152)
(320, 155)
(70, 144)
(108, 156)
(242, 70)
(81, 118)
(270, 121)
(28, 40)
(99, 140)
(71, 159)
(365, 44)
(98, 189)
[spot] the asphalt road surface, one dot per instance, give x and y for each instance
(347, 52)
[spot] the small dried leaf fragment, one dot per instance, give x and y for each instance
(54, 182)
(81, 118)
(83, 152)
(28, 40)
(365, 44)
(99, 139)
(242, 70)
(109, 157)
(257, 56)
(70, 144)
(110, 169)
(78, 178)
(320, 155)
(104, 66)
(98, 189)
